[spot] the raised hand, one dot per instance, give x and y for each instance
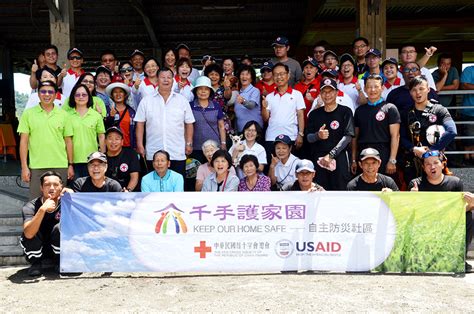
(323, 134)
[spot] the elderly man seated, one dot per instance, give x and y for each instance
(96, 181)
(305, 174)
(162, 179)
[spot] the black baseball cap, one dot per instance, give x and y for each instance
(328, 82)
(70, 51)
(282, 138)
(114, 129)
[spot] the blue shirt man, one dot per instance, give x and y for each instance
(162, 179)
(467, 82)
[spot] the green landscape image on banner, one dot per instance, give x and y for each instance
(430, 232)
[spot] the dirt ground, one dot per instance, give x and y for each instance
(151, 292)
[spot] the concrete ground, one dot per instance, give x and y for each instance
(153, 292)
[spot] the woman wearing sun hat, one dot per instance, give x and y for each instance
(121, 114)
(209, 117)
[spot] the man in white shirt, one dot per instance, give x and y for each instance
(168, 119)
(284, 110)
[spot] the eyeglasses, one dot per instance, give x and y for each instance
(127, 69)
(319, 51)
(360, 46)
(75, 58)
(406, 52)
(108, 60)
(88, 82)
(251, 131)
(410, 70)
(79, 95)
(280, 74)
(431, 153)
(47, 91)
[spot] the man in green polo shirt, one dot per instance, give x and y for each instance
(45, 138)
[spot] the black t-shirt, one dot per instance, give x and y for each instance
(374, 122)
(85, 184)
(383, 181)
(339, 123)
(49, 220)
(437, 115)
(449, 184)
(119, 167)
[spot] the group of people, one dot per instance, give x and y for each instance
(332, 123)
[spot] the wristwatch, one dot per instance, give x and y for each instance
(393, 161)
(301, 134)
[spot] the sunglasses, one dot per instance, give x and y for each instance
(79, 95)
(75, 58)
(48, 91)
(431, 153)
(127, 69)
(412, 70)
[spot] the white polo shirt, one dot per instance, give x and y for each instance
(351, 91)
(145, 88)
(69, 81)
(286, 173)
(283, 113)
(387, 87)
(165, 124)
(186, 91)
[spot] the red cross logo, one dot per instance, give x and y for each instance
(124, 167)
(334, 125)
(202, 249)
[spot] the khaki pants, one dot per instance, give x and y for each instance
(35, 185)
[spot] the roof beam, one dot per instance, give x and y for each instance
(312, 10)
(54, 9)
(138, 5)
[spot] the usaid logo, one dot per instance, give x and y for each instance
(284, 248)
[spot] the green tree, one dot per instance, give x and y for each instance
(20, 102)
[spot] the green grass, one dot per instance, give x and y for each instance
(430, 232)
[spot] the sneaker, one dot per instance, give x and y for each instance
(468, 267)
(35, 269)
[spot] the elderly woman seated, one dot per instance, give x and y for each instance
(253, 181)
(209, 147)
(221, 180)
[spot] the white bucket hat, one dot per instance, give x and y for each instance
(121, 85)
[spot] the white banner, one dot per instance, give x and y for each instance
(231, 232)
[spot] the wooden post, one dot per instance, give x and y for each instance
(62, 27)
(372, 22)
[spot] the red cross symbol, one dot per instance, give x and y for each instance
(202, 249)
